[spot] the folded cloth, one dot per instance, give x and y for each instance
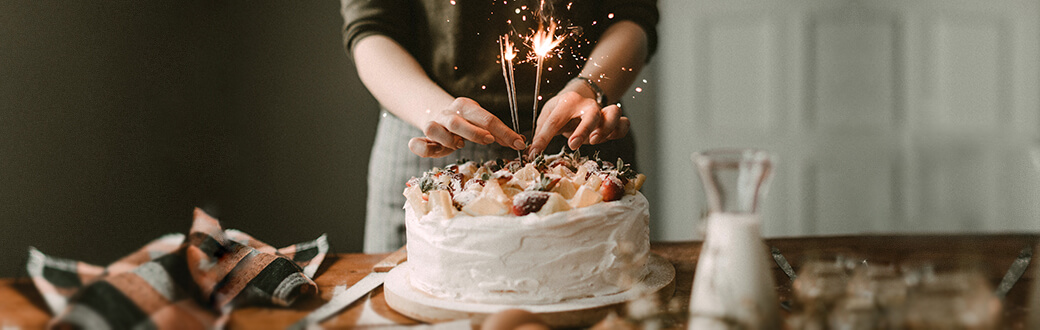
(177, 281)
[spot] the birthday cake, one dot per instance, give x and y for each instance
(511, 232)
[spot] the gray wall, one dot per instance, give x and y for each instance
(118, 117)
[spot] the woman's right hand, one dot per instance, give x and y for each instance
(448, 130)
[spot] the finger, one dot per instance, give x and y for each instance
(621, 130)
(454, 120)
(496, 130)
(552, 120)
(591, 117)
(437, 133)
(568, 129)
(458, 125)
(611, 116)
(424, 147)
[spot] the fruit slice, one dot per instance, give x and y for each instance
(585, 196)
(566, 188)
(580, 176)
(414, 197)
(494, 191)
(511, 191)
(527, 202)
(594, 182)
(468, 169)
(441, 204)
(527, 174)
(555, 203)
(465, 197)
(485, 205)
(502, 176)
(475, 184)
(634, 185)
(562, 171)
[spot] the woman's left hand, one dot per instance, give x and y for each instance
(580, 119)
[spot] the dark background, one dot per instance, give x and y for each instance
(118, 117)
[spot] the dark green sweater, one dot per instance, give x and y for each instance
(456, 41)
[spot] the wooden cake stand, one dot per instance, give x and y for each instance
(405, 299)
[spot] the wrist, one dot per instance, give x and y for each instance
(426, 108)
(593, 91)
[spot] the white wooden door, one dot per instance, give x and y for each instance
(885, 116)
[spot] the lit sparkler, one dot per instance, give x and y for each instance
(508, 52)
(542, 42)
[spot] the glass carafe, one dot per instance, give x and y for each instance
(733, 285)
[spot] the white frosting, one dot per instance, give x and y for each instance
(591, 251)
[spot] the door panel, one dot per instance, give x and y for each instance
(886, 116)
(854, 61)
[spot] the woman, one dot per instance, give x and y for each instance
(434, 67)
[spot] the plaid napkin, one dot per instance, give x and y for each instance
(177, 282)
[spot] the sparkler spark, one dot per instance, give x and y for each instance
(542, 42)
(508, 54)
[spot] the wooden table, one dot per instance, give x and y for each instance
(21, 305)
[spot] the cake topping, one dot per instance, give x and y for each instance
(544, 185)
(528, 202)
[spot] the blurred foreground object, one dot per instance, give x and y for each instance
(177, 281)
(733, 284)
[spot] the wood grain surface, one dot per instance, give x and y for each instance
(22, 306)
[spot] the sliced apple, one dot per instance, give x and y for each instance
(494, 191)
(555, 203)
(512, 191)
(414, 197)
(640, 180)
(579, 177)
(566, 187)
(562, 171)
(527, 174)
(585, 196)
(468, 169)
(635, 184)
(484, 205)
(594, 182)
(440, 204)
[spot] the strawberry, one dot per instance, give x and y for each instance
(528, 202)
(612, 188)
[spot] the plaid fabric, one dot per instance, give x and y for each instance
(177, 281)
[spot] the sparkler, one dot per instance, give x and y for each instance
(542, 42)
(505, 47)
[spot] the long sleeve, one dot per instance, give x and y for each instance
(642, 12)
(362, 18)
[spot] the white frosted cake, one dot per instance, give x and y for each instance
(558, 228)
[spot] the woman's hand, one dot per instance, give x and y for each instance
(579, 118)
(463, 120)
(619, 55)
(387, 69)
